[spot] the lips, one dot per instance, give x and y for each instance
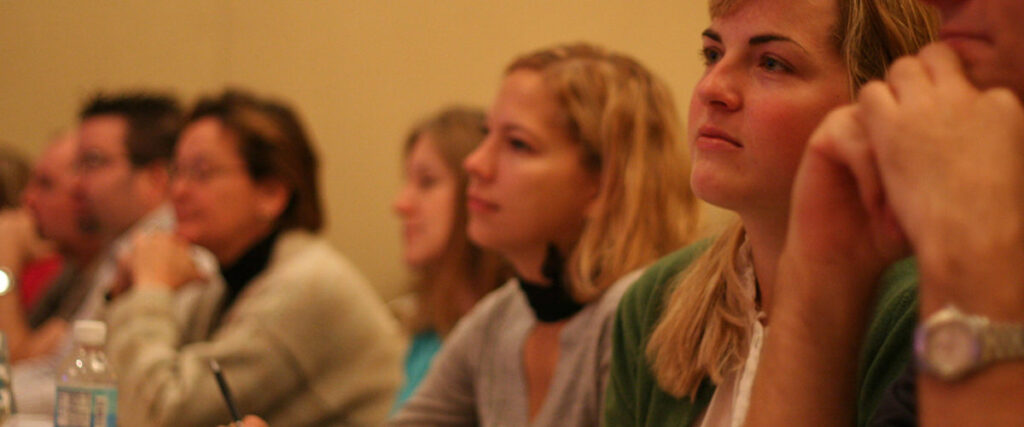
(478, 204)
(712, 133)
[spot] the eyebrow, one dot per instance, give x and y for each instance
(515, 127)
(755, 40)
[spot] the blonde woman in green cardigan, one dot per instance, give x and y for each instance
(689, 333)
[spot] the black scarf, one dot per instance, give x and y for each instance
(551, 303)
(238, 275)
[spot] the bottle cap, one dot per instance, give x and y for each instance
(90, 332)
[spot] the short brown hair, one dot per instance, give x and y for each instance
(274, 145)
(154, 121)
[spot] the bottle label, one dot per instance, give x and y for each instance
(85, 407)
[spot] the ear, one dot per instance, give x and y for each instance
(273, 197)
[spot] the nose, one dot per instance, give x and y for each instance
(721, 86)
(78, 186)
(480, 163)
(402, 205)
(179, 187)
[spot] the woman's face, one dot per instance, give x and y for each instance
(426, 203)
(218, 205)
(527, 185)
(772, 74)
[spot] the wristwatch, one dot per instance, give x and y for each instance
(7, 282)
(951, 344)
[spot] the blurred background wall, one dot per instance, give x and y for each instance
(360, 72)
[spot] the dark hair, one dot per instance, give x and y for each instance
(274, 145)
(154, 121)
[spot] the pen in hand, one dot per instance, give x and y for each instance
(226, 392)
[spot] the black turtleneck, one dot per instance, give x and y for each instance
(238, 275)
(551, 303)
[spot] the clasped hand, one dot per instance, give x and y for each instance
(156, 259)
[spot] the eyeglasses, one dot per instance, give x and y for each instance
(91, 161)
(200, 172)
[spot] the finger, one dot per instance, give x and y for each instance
(909, 81)
(847, 145)
(844, 141)
(875, 101)
(944, 67)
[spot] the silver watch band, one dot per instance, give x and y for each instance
(1003, 341)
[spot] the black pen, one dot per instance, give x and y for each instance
(224, 390)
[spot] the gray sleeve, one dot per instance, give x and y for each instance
(447, 395)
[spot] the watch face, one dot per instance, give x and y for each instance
(951, 348)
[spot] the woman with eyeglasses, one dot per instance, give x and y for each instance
(301, 337)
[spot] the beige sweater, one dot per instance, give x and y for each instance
(307, 343)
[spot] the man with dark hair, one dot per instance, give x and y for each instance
(127, 142)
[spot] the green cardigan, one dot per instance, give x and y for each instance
(633, 397)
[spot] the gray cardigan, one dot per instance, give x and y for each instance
(478, 379)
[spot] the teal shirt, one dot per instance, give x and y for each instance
(633, 397)
(417, 362)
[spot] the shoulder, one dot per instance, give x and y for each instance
(498, 305)
(309, 266)
(643, 300)
(308, 280)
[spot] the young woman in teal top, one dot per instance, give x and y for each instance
(452, 272)
(689, 333)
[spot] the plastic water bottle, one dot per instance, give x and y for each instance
(6, 395)
(86, 385)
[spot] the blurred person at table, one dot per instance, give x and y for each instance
(31, 261)
(48, 213)
(301, 337)
(125, 143)
(453, 273)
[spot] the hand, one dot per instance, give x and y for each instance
(161, 259)
(841, 229)
(21, 242)
(951, 159)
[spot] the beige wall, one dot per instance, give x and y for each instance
(360, 72)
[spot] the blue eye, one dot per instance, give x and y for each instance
(775, 65)
(710, 55)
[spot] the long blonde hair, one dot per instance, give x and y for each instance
(705, 327)
(624, 119)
